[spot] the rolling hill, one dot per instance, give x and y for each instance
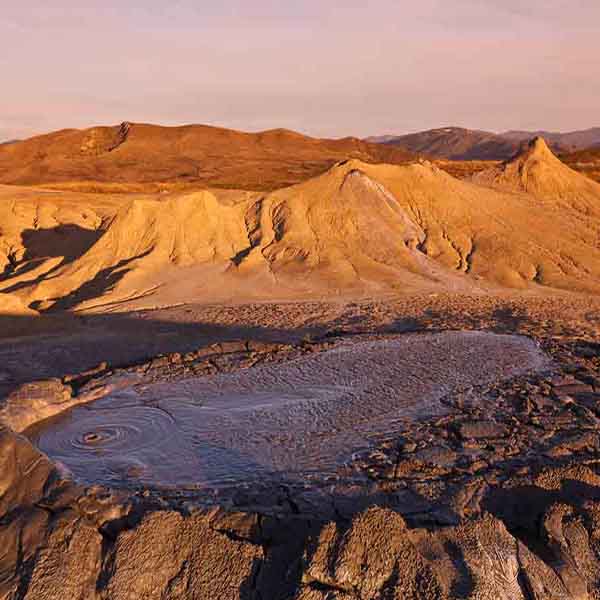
(570, 141)
(454, 143)
(139, 157)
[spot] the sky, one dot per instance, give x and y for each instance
(328, 69)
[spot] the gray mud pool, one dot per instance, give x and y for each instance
(299, 419)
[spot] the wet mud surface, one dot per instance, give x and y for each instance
(299, 420)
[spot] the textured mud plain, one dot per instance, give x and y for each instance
(495, 496)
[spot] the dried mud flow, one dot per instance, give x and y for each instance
(490, 489)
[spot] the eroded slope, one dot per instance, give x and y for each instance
(358, 229)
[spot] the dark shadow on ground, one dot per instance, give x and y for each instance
(61, 342)
(522, 509)
(69, 241)
(54, 345)
(104, 281)
(66, 241)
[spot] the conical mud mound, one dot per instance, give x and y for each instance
(358, 229)
(537, 171)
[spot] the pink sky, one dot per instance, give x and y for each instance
(323, 68)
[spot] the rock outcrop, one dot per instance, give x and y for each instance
(62, 541)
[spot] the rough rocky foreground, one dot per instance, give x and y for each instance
(498, 499)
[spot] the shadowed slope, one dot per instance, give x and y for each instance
(42, 230)
(457, 143)
(572, 140)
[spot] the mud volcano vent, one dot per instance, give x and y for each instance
(299, 419)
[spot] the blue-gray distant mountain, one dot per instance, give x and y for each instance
(570, 141)
(458, 143)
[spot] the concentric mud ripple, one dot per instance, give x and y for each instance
(114, 442)
(287, 420)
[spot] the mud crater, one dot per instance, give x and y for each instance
(288, 421)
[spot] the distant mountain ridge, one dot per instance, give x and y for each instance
(458, 143)
(571, 141)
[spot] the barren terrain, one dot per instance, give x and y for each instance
(380, 381)
(585, 161)
(141, 157)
